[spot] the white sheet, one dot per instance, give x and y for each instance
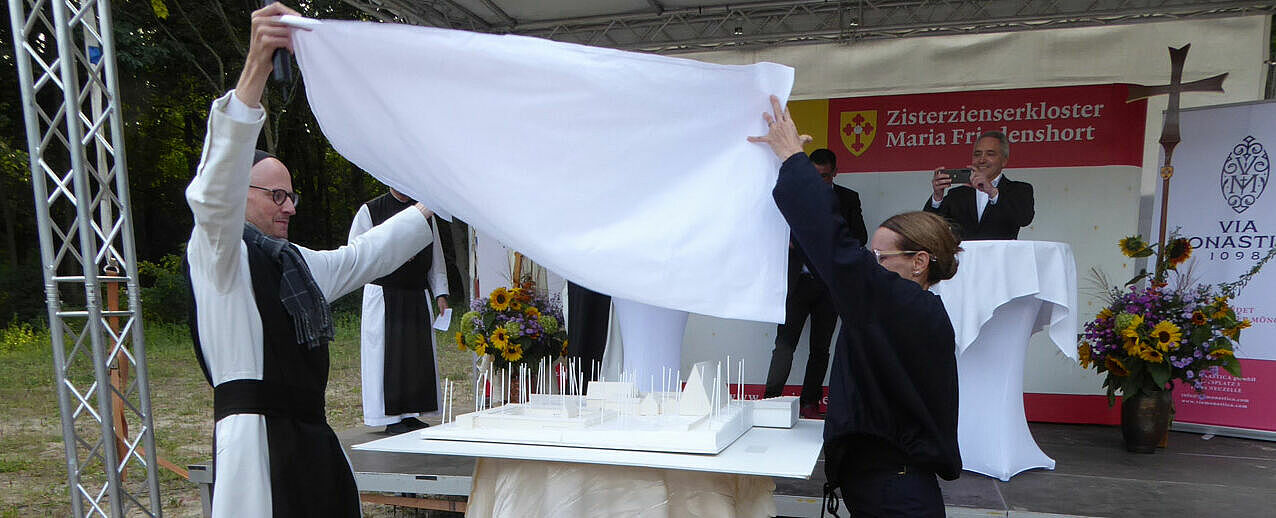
(628, 173)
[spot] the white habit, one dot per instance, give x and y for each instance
(372, 328)
(229, 323)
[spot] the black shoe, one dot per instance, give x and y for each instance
(397, 428)
(811, 411)
(414, 423)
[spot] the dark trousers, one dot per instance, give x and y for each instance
(587, 314)
(807, 297)
(891, 491)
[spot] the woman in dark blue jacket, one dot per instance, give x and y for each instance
(892, 410)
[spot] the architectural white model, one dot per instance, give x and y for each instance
(702, 417)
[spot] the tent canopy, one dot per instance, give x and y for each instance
(673, 26)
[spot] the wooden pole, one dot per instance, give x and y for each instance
(118, 366)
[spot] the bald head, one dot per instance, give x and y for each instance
(266, 176)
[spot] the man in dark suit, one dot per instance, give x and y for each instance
(992, 206)
(826, 163)
(809, 298)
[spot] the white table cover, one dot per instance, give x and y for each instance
(992, 273)
(600, 482)
(627, 173)
(504, 488)
(1003, 292)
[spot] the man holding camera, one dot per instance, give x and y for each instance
(987, 205)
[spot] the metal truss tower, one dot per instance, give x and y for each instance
(75, 136)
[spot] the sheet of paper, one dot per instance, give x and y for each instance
(444, 320)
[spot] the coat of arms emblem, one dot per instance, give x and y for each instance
(1245, 173)
(857, 130)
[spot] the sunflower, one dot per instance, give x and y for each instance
(1116, 367)
(500, 339)
(1084, 354)
(1105, 314)
(1198, 318)
(522, 294)
(1178, 251)
(564, 347)
(1234, 332)
(1132, 345)
(1132, 246)
(513, 329)
(1166, 334)
(479, 345)
(460, 341)
(532, 312)
(1151, 355)
(500, 299)
(1221, 352)
(512, 354)
(1128, 324)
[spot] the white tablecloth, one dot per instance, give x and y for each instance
(1005, 291)
(992, 273)
(565, 481)
(527, 488)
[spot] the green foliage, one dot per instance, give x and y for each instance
(13, 465)
(165, 292)
(22, 336)
(160, 10)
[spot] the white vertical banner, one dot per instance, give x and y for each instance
(1220, 200)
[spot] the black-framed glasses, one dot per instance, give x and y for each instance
(881, 254)
(279, 195)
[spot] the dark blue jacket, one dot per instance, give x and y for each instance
(894, 378)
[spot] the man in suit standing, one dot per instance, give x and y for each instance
(809, 298)
(826, 163)
(992, 206)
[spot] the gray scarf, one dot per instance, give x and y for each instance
(298, 292)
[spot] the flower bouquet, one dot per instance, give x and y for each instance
(1149, 336)
(514, 326)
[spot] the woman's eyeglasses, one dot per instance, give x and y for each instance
(279, 195)
(881, 254)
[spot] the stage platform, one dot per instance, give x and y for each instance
(1194, 476)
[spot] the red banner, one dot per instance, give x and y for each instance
(1069, 126)
(1244, 402)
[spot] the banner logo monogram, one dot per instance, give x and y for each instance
(1245, 173)
(858, 130)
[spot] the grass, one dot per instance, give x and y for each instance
(33, 469)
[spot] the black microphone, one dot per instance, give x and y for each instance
(282, 60)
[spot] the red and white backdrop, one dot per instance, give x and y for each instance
(1087, 133)
(1093, 169)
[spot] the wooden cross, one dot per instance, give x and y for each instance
(1170, 130)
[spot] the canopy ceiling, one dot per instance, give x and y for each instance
(671, 26)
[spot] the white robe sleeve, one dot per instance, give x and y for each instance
(438, 268)
(362, 223)
(219, 192)
(372, 254)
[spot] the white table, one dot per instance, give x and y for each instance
(1005, 291)
(565, 481)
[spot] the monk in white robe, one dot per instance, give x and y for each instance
(260, 318)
